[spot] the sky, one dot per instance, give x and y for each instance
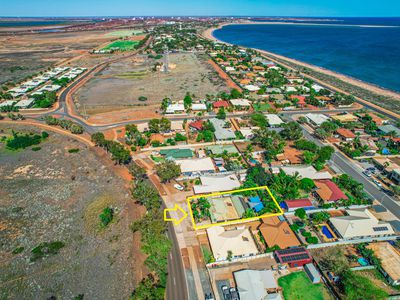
(306, 8)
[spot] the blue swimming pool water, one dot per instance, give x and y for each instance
(327, 232)
(363, 261)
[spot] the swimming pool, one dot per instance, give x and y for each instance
(327, 232)
(363, 261)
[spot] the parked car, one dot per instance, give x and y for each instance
(377, 183)
(209, 296)
(178, 187)
(388, 192)
(234, 293)
(367, 173)
(226, 293)
(371, 169)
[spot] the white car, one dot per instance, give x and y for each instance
(178, 187)
(377, 183)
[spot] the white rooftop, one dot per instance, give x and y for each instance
(317, 119)
(251, 88)
(237, 240)
(274, 119)
(303, 171)
(199, 106)
(360, 223)
(253, 284)
(172, 108)
(240, 102)
(196, 165)
(218, 183)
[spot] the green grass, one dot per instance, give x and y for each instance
(261, 106)
(298, 286)
(122, 45)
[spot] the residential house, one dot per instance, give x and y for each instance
(255, 284)
(220, 149)
(292, 205)
(317, 119)
(294, 257)
(274, 120)
(238, 241)
(276, 232)
(388, 129)
(23, 104)
(196, 125)
(303, 172)
(199, 107)
(221, 132)
(174, 108)
(221, 103)
(217, 183)
(328, 191)
(196, 167)
(345, 118)
(359, 223)
(240, 104)
(177, 153)
(345, 134)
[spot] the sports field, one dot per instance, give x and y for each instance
(121, 45)
(298, 286)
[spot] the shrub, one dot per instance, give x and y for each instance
(46, 249)
(106, 216)
(36, 148)
(73, 150)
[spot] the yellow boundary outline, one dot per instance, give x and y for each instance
(238, 221)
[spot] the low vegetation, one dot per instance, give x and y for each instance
(65, 124)
(46, 249)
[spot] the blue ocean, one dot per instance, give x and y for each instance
(364, 48)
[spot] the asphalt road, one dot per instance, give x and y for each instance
(345, 165)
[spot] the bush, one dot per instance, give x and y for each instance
(312, 240)
(36, 148)
(46, 249)
(106, 216)
(73, 150)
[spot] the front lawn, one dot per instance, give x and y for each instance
(298, 286)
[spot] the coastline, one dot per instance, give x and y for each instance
(208, 34)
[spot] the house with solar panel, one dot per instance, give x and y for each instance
(359, 223)
(294, 257)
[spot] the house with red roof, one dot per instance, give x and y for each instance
(196, 125)
(294, 257)
(221, 103)
(345, 134)
(301, 100)
(292, 205)
(328, 191)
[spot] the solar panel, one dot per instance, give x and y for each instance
(290, 251)
(295, 257)
(382, 228)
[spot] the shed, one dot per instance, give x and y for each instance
(313, 273)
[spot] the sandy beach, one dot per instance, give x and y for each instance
(208, 34)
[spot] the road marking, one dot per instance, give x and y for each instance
(170, 255)
(174, 281)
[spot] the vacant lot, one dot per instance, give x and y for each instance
(23, 55)
(57, 195)
(298, 286)
(121, 84)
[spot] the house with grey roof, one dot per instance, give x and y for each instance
(386, 129)
(221, 131)
(255, 284)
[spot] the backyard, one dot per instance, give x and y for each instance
(298, 286)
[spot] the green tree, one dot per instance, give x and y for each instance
(168, 170)
(235, 94)
(187, 101)
(259, 120)
(307, 184)
(300, 213)
(291, 131)
(221, 114)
